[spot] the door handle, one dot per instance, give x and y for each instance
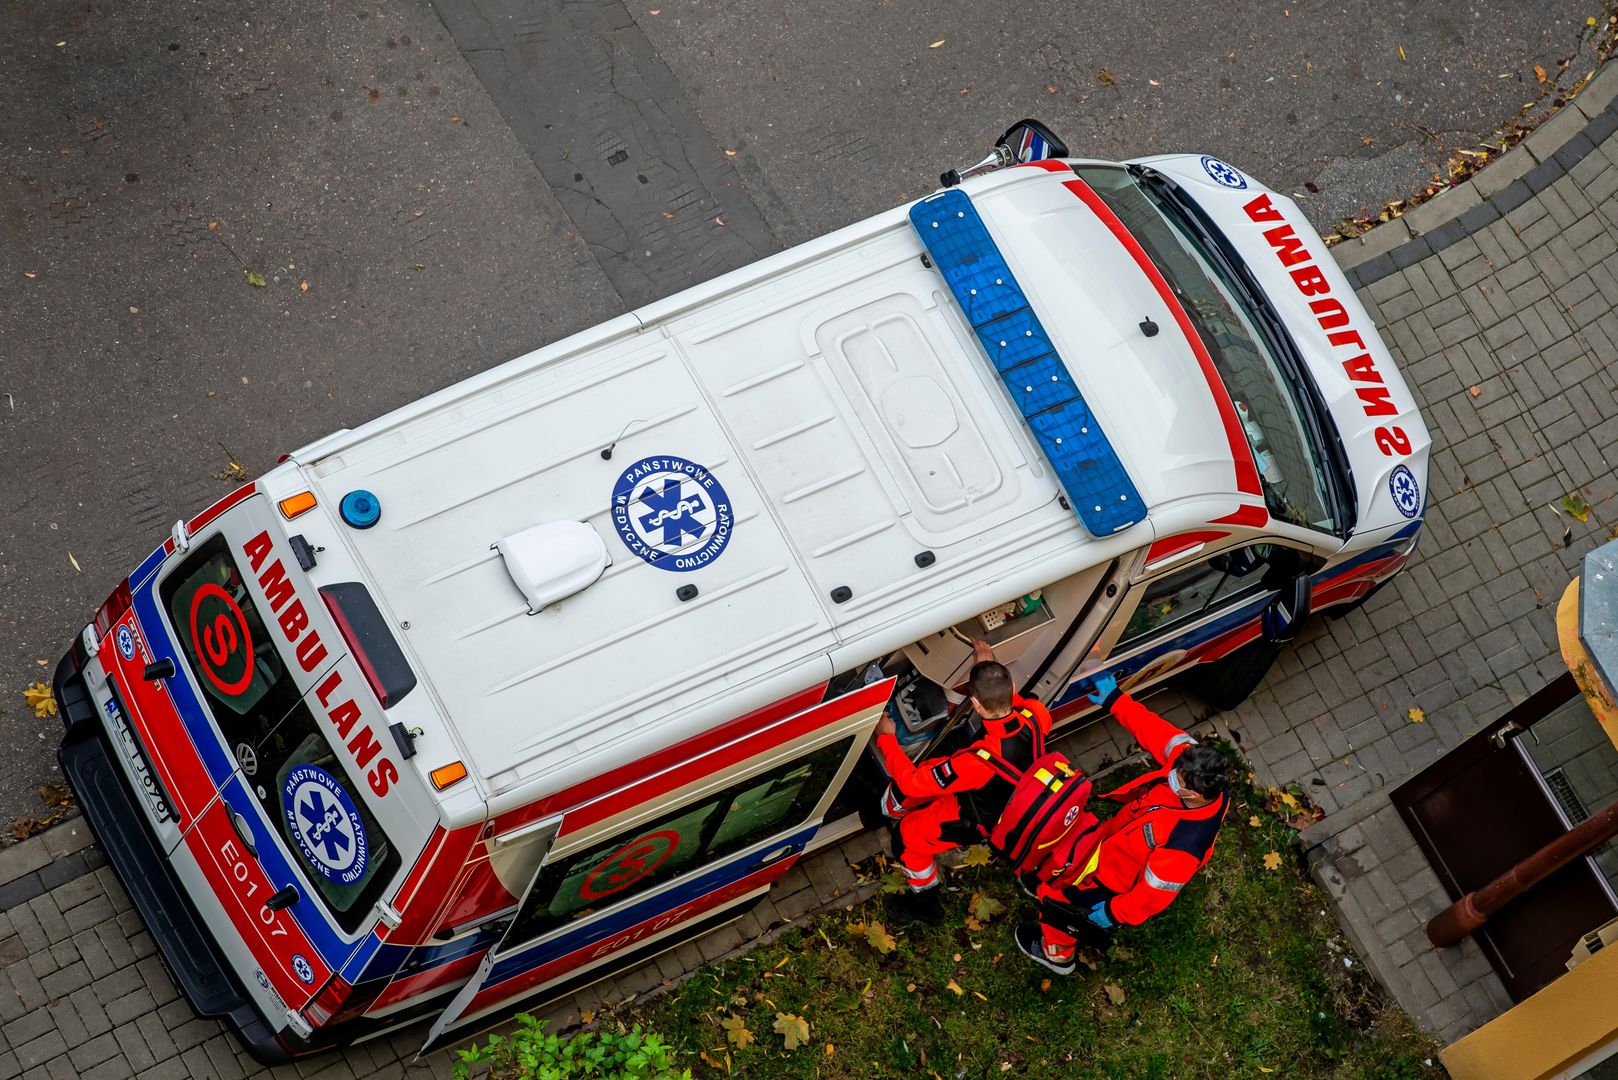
(777, 855)
(244, 832)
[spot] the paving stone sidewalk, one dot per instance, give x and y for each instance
(1507, 286)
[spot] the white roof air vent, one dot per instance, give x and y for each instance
(551, 562)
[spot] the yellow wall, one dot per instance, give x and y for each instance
(1556, 1027)
(1578, 662)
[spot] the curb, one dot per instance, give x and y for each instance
(43, 862)
(1548, 154)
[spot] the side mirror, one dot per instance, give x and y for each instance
(1285, 615)
(1024, 141)
(1029, 140)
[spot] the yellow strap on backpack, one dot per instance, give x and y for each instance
(1089, 867)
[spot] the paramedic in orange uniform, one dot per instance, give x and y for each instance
(951, 801)
(1139, 859)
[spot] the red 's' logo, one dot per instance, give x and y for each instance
(629, 864)
(220, 636)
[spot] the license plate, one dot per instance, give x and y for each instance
(135, 755)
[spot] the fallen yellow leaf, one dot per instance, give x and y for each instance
(955, 986)
(1289, 799)
(1416, 715)
(976, 855)
(937, 43)
(1253, 821)
(38, 697)
(736, 1031)
(882, 941)
(75, 562)
(1272, 861)
(1115, 993)
(1539, 73)
(793, 1028)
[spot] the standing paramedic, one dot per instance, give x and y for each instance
(1139, 859)
(954, 800)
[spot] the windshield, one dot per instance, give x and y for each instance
(1292, 468)
(284, 756)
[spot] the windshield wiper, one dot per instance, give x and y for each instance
(1216, 247)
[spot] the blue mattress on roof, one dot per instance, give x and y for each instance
(1034, 375)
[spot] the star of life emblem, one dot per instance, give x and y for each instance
(1406, 492)
(1223, 174)
(672, 513)
(324, 823)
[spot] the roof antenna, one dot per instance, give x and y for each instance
(606, 453)
(1148, 327)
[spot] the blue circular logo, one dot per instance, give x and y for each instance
(126, 641)
(303, 969)
(1222, 174)
(672, 513)
(1406, 492)
(325, 824)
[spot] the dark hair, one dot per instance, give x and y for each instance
(1204, 770)
(991, 685)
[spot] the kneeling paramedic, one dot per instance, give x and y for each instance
(1137, 861)
(952, 801)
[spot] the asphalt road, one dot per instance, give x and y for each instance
(461, 183)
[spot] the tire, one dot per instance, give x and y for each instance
(1225, 683)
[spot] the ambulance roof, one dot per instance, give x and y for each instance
(806, 427)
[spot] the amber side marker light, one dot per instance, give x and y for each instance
(445, 775)
(301, 503)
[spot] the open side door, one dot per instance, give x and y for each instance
(671, 855)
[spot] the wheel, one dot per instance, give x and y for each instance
(1226, 682)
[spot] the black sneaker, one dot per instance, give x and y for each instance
(1031, 943)
(915, 906)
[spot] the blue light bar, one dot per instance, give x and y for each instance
(1034, 375)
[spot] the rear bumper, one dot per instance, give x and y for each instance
(133, 852)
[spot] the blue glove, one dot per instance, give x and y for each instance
(1098, 915)
(1103, 688)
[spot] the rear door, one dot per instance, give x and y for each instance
(310, 801)
(683, 850)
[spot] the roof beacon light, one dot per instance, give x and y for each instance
(294, 505)
(360, 509)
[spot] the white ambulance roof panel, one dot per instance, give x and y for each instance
(788, 440)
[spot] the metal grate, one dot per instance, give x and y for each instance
(1021, 351)
(1568, 799)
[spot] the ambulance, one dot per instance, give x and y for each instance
(559, 667)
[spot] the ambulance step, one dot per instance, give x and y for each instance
(1038, 379)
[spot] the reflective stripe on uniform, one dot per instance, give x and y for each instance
(921, 879)
(1182, 739)
(1158, 883)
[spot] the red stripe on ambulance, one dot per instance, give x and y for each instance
(1333, 317)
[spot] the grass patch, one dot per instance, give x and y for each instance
(1243, 976)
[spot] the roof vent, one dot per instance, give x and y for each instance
(551, 562)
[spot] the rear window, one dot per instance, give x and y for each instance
(282, 752)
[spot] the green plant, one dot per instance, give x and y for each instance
(532, 1052)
